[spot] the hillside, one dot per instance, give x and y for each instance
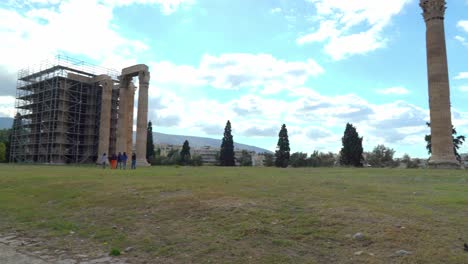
(160, 138)
(196, 142)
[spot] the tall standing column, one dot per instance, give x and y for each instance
(142, 119)
(130, 104)
(122, 131)
(439, 90)
(105, 120)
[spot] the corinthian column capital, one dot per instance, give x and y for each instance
(433, 9)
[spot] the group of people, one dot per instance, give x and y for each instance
(118, 161)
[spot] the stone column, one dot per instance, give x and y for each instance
(142, 119)
(439, 90)
(130, 103)
(121, 144)
(105, 120)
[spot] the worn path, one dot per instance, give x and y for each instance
(12, 250)
(8, 255)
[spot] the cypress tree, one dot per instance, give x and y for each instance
(282, 148)
(351, 153)
(226, 155)
(149, 142)
(185, 153)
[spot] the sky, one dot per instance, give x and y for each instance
(313, 65)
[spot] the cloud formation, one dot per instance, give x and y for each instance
(234, 71)
(352, 27)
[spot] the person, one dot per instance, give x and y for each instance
(104, 160)
(133, 161)
(113, 161)
(124, 160)
(119, 160)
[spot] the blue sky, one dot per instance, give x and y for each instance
(312, 64)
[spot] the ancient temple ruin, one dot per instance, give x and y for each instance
(69, 111)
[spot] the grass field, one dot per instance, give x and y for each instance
(242, 215)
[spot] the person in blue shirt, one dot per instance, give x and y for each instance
(124, 160)
(119, 160)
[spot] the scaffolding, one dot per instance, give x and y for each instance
(58, 106)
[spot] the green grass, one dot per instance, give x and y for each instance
(234, 215)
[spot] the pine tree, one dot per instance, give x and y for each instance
(226, 156)
(282, 148)
(351, 153)
(185, 153)
(149, 142)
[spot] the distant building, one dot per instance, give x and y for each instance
(166, 148)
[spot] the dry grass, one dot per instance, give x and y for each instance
(233, 215)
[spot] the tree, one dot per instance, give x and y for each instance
(457, 142)
(2, 152)
(381, 156)
(282, 148)
(410, 163)
(185, 153)
(5, 137)
(226, 156)
(196, 160)
(321, 159)
(149, 142)
(351, 153)
(245, 159)
(298, 159)
(269, 160)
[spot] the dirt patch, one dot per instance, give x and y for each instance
(16, 248)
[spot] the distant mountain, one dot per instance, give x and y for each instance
(197, 142)
(6, 122)
(160, 138)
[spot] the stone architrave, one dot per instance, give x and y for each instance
(105, 121)
(439, 90)
(142, 119)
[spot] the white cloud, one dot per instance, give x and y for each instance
(462, 76)
(40, 33)
(463, 24)
(393, 90)
(6, 106)
(239, 71)
(42, 28)
(352, 27)
(464, 88)
(462, 40)
(167, 6)
(314, 121)
(275, 10)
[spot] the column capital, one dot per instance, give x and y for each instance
(125, 80)
(433, 9)
(144, 77)
(107, 83)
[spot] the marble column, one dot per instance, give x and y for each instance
(130, 104)
(439, 89)
(105, 120)
(142, 118)
(122, 119)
